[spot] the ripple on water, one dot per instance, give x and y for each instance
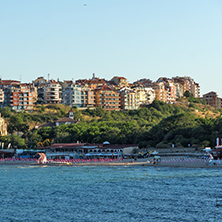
(108, 193)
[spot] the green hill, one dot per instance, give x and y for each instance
(156, 125)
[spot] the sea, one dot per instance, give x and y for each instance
(101, 193)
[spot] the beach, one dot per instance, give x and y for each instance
(180, 161)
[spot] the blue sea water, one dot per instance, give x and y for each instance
(68, 193)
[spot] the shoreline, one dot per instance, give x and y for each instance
(165, 162)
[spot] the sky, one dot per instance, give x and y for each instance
(71, 39)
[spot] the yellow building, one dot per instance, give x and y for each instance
(3, 127)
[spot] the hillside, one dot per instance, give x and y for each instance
(156, 125)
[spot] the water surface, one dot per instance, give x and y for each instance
(67, 193)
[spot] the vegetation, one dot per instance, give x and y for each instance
(157, 125)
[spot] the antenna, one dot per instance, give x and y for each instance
(48, 76)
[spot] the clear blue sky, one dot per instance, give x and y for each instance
(130, 38)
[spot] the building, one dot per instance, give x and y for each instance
(128, 100)
(107, 98)
(40, 83)
(93, 83)
(212, 99)
(144, 95)
(78, 95)
(20, 97)
(143, 83)
(120, 82)
(62, 121)
(2, 97)
(3, 127)
(188, 85)
(160, 91)
(86, 151)
(52, 92)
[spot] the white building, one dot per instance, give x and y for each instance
(78, 95)
(52, 92)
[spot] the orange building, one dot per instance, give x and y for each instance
(92, 83)
(20, 97)
(107, 98)
(212, 99)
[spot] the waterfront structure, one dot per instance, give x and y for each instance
(78, 95)
(52, 92)
(107, 98)
(85, 150)
(3, 127)
(213, 100)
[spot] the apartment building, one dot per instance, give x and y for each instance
(78, 95)
(2, 97)
(188, 85)
(144, 95)
(128, 99)
(195, 90)
(213, 100)
(120, 82)
(3, 127)
(92, 83)
(20, 97)
(107, 98)
(143, 82)
(178, 90)
(160, 91)
(52, 92)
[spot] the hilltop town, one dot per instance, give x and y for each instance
(115, 94)
(153, 113)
